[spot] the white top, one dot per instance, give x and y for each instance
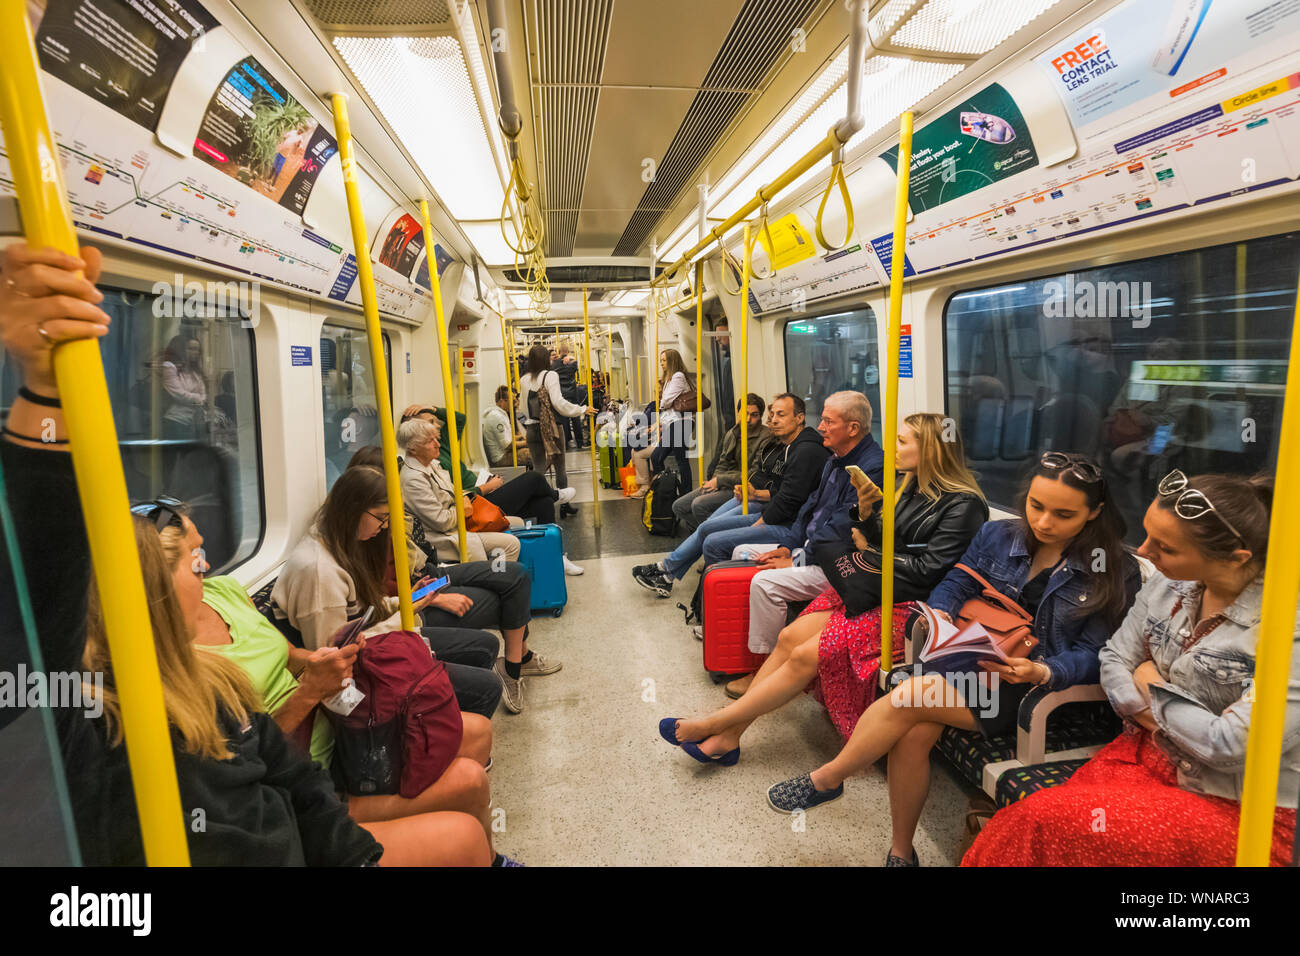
(676, 387)
(561, 405)
(497, 433)
(187, 389)
(317, 595)
(429, 493)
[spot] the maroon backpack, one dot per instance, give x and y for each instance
(407, 730)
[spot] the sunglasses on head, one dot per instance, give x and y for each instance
(1083, 469)
(1191, 503)
(164, 511)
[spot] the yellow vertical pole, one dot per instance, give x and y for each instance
(655, 376)
(96, 460)
(1276, 634)
(699, 366)
(595, 465)
(889, 424)
(744, 368)
(370, 305)
(638, 380)
(460, 378)
(447, 400)
(510, 387)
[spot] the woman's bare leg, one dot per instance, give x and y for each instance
(476, 737)
(909, 783)
(432, 839)
(463, 786)
(721, 731)
(926, 698)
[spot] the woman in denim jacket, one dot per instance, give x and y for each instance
(1180, 671)
(1064, 562)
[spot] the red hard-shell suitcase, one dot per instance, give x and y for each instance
(726, 618)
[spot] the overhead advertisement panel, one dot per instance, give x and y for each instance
(124, 53)
(255, 132)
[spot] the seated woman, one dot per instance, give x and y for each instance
(938, 511)
(1064, 562)
(264, 803)
(229, 624)
(1180, 671)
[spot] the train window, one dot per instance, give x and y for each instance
(833, 353)
(1177, 361)
(348, 401)
(184, 397)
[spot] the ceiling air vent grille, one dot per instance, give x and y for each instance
(758, 38)
(368, 17)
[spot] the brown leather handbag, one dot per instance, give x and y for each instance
(484, 516)
(1009, 624)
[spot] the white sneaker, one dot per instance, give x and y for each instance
(570, 568)
(566, 495)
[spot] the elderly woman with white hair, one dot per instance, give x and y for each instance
(429, 494)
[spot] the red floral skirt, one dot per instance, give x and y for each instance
(1122, 808)
(848, 659)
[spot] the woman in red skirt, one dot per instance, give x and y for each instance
(939, 510)
(1180, 671)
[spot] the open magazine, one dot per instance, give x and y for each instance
(947, 640)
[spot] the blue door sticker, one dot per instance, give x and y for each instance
(300, 354)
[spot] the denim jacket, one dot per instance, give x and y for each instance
(1068, 638)
(1203, 708)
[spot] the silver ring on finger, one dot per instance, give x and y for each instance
(44, 334)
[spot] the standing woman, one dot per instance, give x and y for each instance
(674, 427)
(187, 392)
(540, 401)
(1180, 672)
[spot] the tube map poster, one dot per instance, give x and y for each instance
(123, 53)
(974, 145)
(256, 133)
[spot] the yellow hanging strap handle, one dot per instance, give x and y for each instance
(448, 400)
(595, 465)
(96, 458)
(699, 359)
(837, 175)
(1276, 634)
(509, 358)
(366, 278)
(890, 424)
(744, 369)
(765, 230)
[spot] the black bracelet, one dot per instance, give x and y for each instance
(40, 441)
(27, 393)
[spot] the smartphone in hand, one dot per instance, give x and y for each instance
(430, 588)
(861, 480)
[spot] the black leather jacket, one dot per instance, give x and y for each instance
(929, 537)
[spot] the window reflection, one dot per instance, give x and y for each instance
(348, 401)
(833, 353)
(1172, 362)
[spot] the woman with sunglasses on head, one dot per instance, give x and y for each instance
(1063, 562)
(1179, 670)
(264, 803)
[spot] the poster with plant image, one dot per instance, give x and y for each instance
(255, 132)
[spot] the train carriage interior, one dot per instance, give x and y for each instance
(591, 232)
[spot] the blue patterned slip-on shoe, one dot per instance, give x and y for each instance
(507, 861)
(799, 793)
(668, 731)
(891, 860)
(729, 759)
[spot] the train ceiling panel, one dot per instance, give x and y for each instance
(380, 17)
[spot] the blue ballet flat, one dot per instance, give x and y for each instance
(668, 731)
(729, 759)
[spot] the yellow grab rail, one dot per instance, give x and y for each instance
(595, 465)
(96, 458)
(447, 399)
(699, 358)
(744, 369)
(507, 356)
(370, 306)
(889, 426)
(1276, 634)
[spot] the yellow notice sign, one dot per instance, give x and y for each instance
(790, 242)
(1250, 98)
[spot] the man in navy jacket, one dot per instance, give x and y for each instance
(846, 430)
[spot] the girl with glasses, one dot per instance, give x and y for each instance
(1179, 670)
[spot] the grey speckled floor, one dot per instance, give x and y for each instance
(585, 779)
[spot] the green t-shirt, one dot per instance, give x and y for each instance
(263, 654)
(468, 479)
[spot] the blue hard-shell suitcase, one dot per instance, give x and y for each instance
(541, 551)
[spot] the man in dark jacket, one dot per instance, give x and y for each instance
(811, 504)
(788, 471)
(566, 367)
(696, 505)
